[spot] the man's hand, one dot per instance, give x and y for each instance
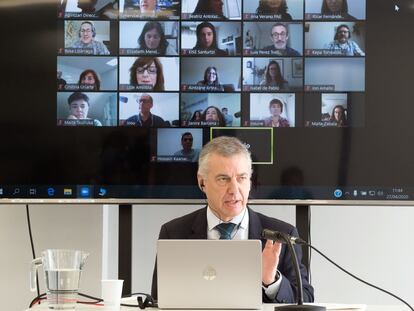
(270, 261)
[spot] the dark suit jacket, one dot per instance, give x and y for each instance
(194, 226)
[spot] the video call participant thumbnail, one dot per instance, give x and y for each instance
(210, 74)
(278, 36)
(188, 153)
(210, 109)
(333, 110)
(150, 9)
(145, 118)
(206, 38)
(149, 109)
(340, 74)
(272, 74)
(78, 110)
(149, 73)
(86, 42)
(335, 39)
(270, 110)
(90, 9)
(178, 145)
(335, 9)
(86, 109)
(88, 73)
(279, 10)
(343, 44)
(209, 9)
(151, 39)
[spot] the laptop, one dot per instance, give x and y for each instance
(209, 274)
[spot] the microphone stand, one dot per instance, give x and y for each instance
(289, 240)
(299, 294)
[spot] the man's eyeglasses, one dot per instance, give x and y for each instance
(150, 70)
(279, 34)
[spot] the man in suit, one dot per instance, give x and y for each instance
(224, 173)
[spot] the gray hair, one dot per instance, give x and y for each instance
(280, 24)
(224, 146)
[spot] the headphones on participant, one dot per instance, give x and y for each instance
(201, 185)
(92, 26)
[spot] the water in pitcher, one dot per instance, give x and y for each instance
(62, 288)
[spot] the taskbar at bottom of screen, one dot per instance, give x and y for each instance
(275, 194)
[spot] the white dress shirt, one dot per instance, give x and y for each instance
(240, 232)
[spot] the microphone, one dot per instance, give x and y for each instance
(280, 237)
(290, 240)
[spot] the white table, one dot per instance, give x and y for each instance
(266, 307)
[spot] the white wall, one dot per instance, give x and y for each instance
(63, 226)
(372, 242)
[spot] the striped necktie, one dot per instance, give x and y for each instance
(225, 229)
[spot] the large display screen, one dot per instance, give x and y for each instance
(320, 92)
